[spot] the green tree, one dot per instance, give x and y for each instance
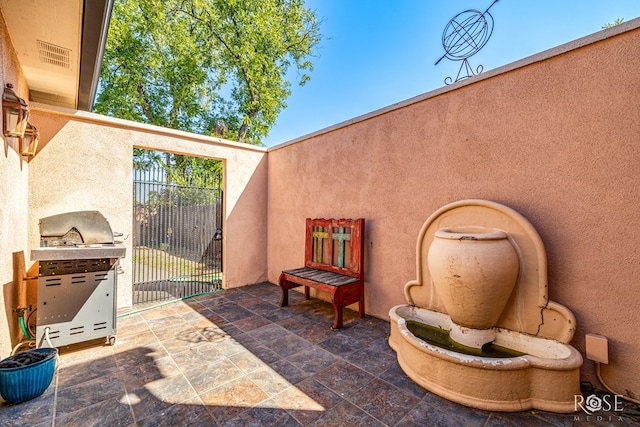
(255, 43)
(616, 22)
(155, 70)
(214, 67)
(184, 176)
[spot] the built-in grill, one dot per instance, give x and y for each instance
(77, 279)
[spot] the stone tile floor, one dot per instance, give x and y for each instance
(235, 358)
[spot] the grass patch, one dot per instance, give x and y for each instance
(175, 267)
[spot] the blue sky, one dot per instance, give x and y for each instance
(379, 52)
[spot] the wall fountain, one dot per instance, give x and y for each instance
(479, 328)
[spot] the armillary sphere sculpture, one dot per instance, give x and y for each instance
(464, 36)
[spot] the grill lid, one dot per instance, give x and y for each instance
(72, 228)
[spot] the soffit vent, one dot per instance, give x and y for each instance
(54, 55)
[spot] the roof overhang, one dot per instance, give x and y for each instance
(60, 45)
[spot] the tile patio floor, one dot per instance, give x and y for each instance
(235, 358)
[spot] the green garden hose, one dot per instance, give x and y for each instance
(23, 326)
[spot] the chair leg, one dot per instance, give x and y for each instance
(284, 300)
(337, 320)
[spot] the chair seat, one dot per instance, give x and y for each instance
(321, 276)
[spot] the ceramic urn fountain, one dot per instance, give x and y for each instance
(478, 327)
(474, 272)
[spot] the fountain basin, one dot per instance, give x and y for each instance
(547, 377)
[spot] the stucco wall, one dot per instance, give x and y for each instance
(555, 136)
(84, 163)
(14, 179)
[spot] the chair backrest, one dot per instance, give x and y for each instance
(335, 245)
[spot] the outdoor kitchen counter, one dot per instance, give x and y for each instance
(78, 252)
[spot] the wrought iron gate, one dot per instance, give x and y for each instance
(177, 237)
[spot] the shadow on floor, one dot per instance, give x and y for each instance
(235, 358)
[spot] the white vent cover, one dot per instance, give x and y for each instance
(54, 55)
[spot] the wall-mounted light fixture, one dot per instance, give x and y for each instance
(29, 142)
(15, 113)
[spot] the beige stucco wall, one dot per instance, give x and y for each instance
(555, 136)
(14, 180)
(84, 163)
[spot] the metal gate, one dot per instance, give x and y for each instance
(177, 237)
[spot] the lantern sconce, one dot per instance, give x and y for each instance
(29, 142)
(15, 113)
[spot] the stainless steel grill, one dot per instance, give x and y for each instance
(77, 278)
